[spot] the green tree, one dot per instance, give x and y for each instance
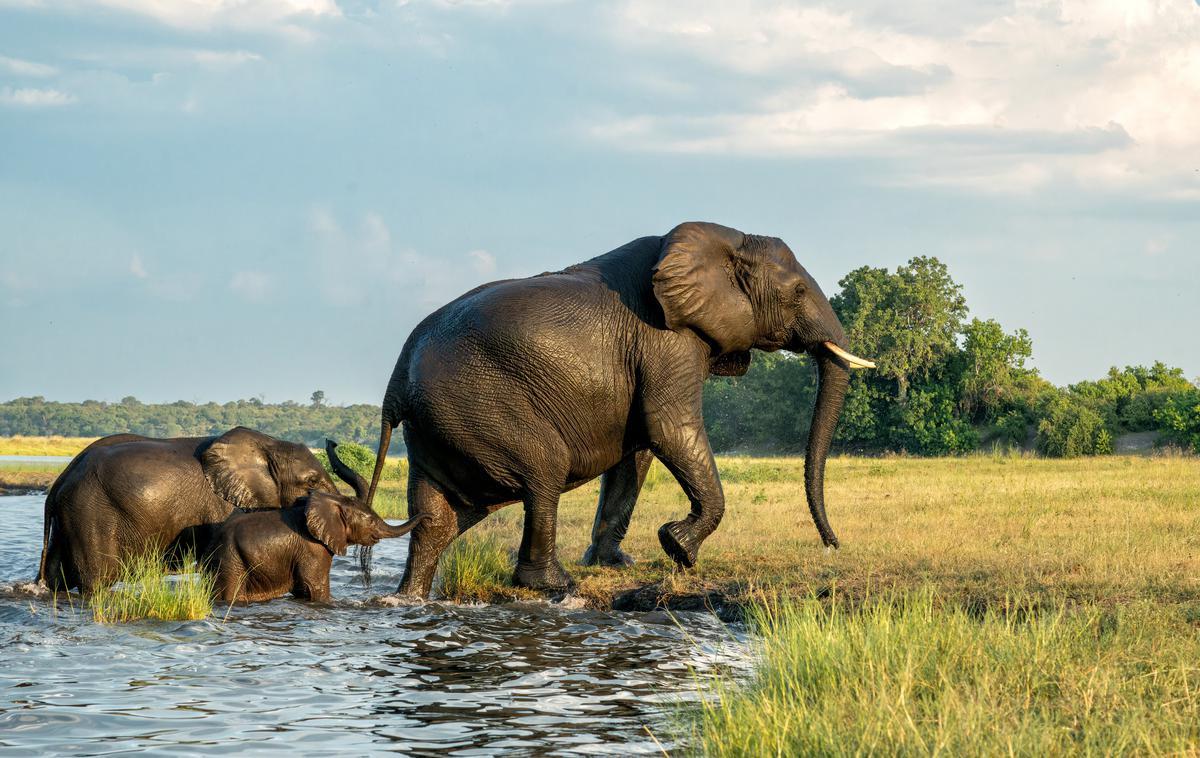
(993, 363)
(908, 321)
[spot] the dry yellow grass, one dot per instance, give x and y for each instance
(20, 445)
(1108, 528)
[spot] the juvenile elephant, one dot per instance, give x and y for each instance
(262, 555)
(128, 493)
(522, 389)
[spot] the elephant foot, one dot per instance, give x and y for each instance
(611, 556)
(550, 577)
(679, 541)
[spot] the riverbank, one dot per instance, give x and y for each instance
(1108, 530)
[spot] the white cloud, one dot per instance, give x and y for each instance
(483, 262)
(1102, 94)
(29, 97)
(1157, 245)
(137, 268)
(281, 16)
(355, 263)
(19, 67)
(224, 58)
(252, 286)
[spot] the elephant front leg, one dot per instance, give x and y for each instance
(538, 567)
(619, 488)
(685, 451)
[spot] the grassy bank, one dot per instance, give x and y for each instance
(978, 529)
(27, 476)
(910, 674)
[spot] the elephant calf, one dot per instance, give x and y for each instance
(260, 555)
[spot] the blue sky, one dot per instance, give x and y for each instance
(207, 199)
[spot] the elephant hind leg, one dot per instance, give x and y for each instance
(619, 489)
(538, 566)
(446, 521)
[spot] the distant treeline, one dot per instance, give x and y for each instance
(311, 424)
(945, 385)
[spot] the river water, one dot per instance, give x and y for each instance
(354, 676)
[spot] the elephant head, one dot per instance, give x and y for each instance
(252, 470)
(337, 521)
(739, 292)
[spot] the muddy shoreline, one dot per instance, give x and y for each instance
(34, 483)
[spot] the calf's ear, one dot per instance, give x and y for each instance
(325, 523)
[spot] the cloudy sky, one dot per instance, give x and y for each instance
(214, 199)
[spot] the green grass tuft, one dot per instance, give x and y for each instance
(477, 568)
(911, 674)
(146, 588)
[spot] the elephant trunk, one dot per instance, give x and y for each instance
(345, 473)
(399, 530)
(834, 379)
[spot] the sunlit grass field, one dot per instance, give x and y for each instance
(1111, 529)
(20, 445)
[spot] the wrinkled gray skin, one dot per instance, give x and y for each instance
(125, 493)
(520, 390)
(267, 554)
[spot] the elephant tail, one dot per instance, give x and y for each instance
(391, 414)
(46, 520)
(385, 441)
(51, 573)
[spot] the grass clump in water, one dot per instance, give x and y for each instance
(146, 588)
(908, 674)
(477, 568)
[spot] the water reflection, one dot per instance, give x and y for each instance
(517, 679)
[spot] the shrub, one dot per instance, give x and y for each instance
(1011, 429)
(1070, 428)
(1179, 419)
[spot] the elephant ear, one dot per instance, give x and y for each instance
(731, 364)
(697, 280)
(239, 469)
(323, 517)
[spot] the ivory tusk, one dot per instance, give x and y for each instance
(853, 360)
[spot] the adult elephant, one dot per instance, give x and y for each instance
(126, 493)
(522, 389)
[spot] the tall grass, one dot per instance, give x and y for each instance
(477, 567)
(147, 588)
(909, 674)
